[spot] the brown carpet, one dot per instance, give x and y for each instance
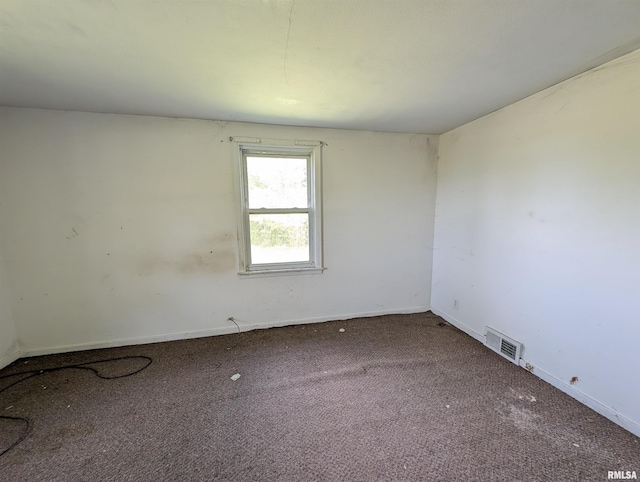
(390, 398)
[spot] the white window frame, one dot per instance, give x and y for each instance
(312, 150)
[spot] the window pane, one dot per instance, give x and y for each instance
(279, 238)
(276, 182)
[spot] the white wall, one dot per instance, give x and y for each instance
(122, 229)
(8, 338)
(538, 233)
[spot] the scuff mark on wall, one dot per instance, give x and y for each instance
(213, 255)
(211, 262)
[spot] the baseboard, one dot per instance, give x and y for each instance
(142, 340)
(596, 406)
(225, 330)
(458, 324)
(9, 358)
(570, 390)
(583, 398)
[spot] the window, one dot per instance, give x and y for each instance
(280, 229)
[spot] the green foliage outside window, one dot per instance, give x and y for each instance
(267, 233)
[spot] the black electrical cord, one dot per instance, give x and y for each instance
(80, 366)
(233, 320)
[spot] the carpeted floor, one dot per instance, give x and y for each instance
(390, 398)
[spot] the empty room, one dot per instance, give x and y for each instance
(319, 240)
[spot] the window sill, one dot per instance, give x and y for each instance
(280, 272)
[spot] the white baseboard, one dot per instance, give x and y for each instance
(595, 405)
(9, 358)
(583, 398)
(570, 390)
(142, 340)
(225, 330)
(458, 324)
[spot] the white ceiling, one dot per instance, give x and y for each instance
(421, 66)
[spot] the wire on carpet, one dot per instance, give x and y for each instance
(233, 320)
(79, 366)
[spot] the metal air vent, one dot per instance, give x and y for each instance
(503, 345)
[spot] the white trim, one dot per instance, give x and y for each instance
(458, 324)
(595, 405)
(10, 358)
(275, 142)
(280, 272)
(312, 150)
(583, 398)
(278, 210)
(225, 330)
(246, 140)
